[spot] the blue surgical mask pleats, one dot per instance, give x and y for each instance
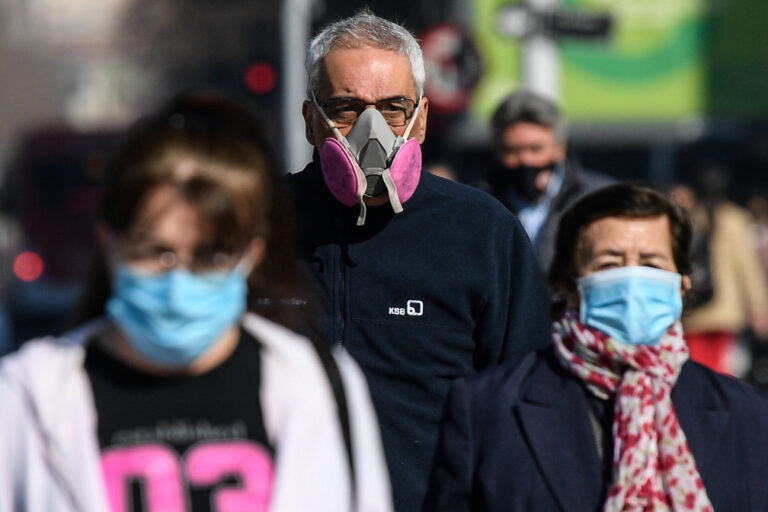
(633, 305)
(174, 317)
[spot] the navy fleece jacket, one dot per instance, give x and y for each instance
(448, 287)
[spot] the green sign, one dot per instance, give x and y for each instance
(738, 59)
(667, 59)
(501, 59)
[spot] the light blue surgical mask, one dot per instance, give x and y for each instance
(633, 305)
(172, 318)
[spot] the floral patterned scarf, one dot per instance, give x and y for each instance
(653, 468)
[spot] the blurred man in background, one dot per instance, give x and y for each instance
(532, 176)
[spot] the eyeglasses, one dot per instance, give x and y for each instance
(345, 111)
(155, 259)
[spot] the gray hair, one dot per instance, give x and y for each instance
(364, 29)
(527, 107)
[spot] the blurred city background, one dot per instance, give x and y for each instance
(655, 90)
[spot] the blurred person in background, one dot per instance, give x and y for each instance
(613, 415)
(758, 237)
(739, 295)
(533, 176)
(171, 396)
(758, 228)
(702, 282)
(426, 279)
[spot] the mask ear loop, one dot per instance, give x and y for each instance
(246, 264)
(389, 183)
(408, 129)
(358, 172)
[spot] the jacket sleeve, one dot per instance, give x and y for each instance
(450, 485)
(311, 466)
(516, 318)
(49, 456)
(10, 443)
(24, 475)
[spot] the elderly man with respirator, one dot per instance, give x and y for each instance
(424, 279)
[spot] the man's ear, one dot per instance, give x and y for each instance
(307, 111)
(422, 128)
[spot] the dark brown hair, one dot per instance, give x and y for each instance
(619, 200)
(527, 107)
(211, 150)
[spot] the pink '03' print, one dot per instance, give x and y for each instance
(165, 477)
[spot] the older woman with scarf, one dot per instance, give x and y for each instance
(613, 415)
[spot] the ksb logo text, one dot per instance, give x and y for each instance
(412, 308)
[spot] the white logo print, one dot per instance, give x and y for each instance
(415, 308)
(412, 308)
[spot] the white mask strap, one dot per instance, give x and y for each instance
(363, 210)
(394, 200)
(247, 263)
(407, 131)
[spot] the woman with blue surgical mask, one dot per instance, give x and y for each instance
(613, 416)
(180, 390)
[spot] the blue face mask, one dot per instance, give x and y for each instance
(174, 317)
(634, 305)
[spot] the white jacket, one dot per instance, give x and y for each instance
(49, 453)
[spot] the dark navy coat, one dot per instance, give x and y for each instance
(446, 288)
(519, 438)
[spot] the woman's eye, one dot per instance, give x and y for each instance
(140, 252)
(157, 251)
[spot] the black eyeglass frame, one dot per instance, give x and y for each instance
(407, 110)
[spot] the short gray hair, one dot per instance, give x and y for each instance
(527, 107)
(364, 29)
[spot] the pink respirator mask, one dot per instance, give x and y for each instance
(370, 159)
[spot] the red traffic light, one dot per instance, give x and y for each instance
(28, 266)
(261, 78)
